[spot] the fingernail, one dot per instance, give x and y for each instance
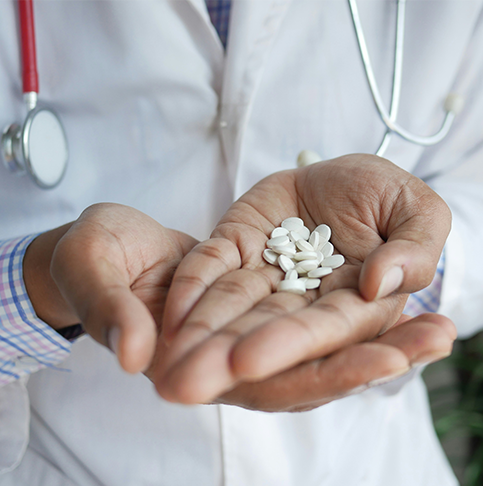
(392, 279)
(430, 358)
(113, 339)
(387, 379)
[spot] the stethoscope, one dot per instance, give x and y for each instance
(39, 146)
(452, 104)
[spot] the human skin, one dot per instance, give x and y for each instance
(225, 325)
(112, 268)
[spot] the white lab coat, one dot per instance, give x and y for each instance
(157, 118)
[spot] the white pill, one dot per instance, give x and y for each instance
(303, 279)
(314, 239)
(292, 224)
(294, 286)
(327, 250)
(312, 283)
(285, 263)
(270, 256)
(306, 266)
(294, 236)
(334, 261)
(292, 275)
(305, 255)
(278, 241)
(303, 245)
(319, 272)
(320, 256)
(279, 232)
(304, 232)
(288, 250)
(324, 231)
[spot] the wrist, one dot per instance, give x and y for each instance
(46, 299)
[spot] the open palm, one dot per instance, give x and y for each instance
(229, 331)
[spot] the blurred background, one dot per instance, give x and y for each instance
(455, 388)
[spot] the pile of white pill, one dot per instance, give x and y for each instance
(305, 257)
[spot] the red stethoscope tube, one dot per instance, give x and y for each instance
(30, 77)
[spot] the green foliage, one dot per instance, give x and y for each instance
(456, 394)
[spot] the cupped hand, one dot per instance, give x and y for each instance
(110, 270)
(227, 329)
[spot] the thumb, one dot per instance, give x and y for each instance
(407, 262)
(96, 284)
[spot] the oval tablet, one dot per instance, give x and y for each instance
(278, 241)
(306, 266)
(304, 232)
(285, 263)
(334, 261)
(305, 255)
(292, 275)
(292, 224)
(270, 256)
(324, 231)
(314, 239)
(294, 236)
(279, 232)
(319, 272)
(327, 250)
(320, 256)
(288, 250)
(303, 245)
(294, 286)
(312, 283)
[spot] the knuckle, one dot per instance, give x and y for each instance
(199, 325)
(273, 307)
(192, 280)
(233, 287)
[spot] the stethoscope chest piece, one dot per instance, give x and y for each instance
(38, 148)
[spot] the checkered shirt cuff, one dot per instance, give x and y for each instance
(27, 344)
(428, 299)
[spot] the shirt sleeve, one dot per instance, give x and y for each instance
(27, 344)
(428, 299)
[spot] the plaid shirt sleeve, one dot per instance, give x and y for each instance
(428, 299)
(27, 344)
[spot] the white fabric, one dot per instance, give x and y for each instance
(142, 87)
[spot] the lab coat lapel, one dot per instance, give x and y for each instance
(253, 27)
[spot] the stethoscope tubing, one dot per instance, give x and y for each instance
(30, 76)
(389, 119)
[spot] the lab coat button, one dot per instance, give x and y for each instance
(223, 124)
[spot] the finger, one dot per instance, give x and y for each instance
(228, 298)
(351, 370)
(245, 297)
(338, 319)
(208, 366)
(424, 339)
(206, 263)
(310, 382)
(97, 288)
(257, 346)
(407, 262)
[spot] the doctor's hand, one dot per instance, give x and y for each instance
(230, 335)
(110, 270)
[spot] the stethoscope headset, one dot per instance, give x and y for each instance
(39, 146)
